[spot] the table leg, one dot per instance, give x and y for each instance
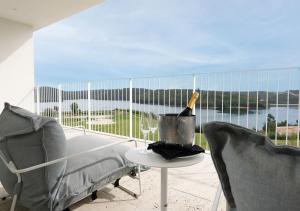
(164, 189)
(140, 183)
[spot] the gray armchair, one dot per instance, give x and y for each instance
(254, 173)
(45, 172)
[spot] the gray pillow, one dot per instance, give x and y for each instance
(28, 139)
(254, 173)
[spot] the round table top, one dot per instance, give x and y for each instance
(153, 159)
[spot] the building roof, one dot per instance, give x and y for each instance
(40, 13)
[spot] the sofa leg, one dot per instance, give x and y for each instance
(14, 202)
(127, 191)
(132, 174)
(94, 195)
(117, 185)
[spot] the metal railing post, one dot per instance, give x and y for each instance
(194, 89)
(89, 106)
(287, 110)
(130, 108)
(194, 108)
(59, 104)
(298, 124)
(37, 100)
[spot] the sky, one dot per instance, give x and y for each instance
(137, 38)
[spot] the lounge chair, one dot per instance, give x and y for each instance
(43, 171)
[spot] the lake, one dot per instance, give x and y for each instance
(203, 115)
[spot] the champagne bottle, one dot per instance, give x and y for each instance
(188, 111)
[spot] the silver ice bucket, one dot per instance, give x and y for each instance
(176, 130)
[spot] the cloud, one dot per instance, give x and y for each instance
(135, 38)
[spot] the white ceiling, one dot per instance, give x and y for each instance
(40, 13)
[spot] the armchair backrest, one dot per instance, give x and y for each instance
(254, 173)
(27, 139)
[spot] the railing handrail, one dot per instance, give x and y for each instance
(296, 68)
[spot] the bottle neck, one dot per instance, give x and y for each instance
(192, 102)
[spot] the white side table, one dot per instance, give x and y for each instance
(155, 160)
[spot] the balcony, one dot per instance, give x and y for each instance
(266, 101)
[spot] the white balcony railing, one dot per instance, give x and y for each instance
(266, 101)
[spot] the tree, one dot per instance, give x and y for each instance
(271, 126)
(271, 123)
(74, 108)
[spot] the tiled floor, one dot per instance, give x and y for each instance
(190, 188)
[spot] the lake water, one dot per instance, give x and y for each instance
(203, 115)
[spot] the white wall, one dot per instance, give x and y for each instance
(16, 64)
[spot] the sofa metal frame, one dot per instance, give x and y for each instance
(12, 168)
